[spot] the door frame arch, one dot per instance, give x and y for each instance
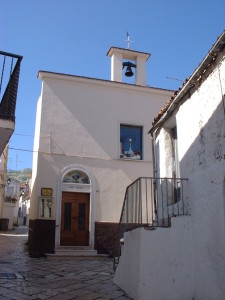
(63, 172)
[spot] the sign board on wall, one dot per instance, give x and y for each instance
(46, 192)
(80, 188)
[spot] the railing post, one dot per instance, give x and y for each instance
(132, 204)
(127, 208)
(178, 200)
(162, 204)
(152, 200)
(182, 195)
(146, 198)
(167, 198)
(155, 193)
(173, 198)
(140, 202)
(136, 204)
(3, 68)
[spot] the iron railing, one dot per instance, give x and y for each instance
(151, 202)
(9, 84)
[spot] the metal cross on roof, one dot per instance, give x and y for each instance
(128, 41)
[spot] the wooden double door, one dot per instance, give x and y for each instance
(75, 219)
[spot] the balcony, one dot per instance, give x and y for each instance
(10, 70)
(150, 203)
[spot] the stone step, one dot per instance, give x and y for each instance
(63, 257)
(66, 248)
(65, 252)
(76, 252)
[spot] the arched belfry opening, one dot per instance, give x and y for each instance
(133, 62)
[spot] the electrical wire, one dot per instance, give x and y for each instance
(22, 134)
(77, 156)
(24, 150)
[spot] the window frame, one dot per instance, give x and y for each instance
(135, 126)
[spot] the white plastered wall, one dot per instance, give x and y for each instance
(201, 147)
(78, 124)
(34, 202)
(157, 264)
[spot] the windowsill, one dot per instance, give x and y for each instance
(132, 160)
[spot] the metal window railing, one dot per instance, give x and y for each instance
(151, 202)
(10, 70)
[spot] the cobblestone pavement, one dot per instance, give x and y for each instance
(22, 277)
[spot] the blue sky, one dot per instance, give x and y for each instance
(73, 36)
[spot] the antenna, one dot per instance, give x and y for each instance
(10, 160)
(17, 160)
(175, 79)
(128, 41)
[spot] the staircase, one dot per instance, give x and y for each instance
(73, 252)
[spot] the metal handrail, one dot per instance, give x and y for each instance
(150, 202)
(9, 80)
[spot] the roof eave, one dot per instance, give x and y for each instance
(196, 76)
(47, 74)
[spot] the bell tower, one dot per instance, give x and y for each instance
(132, 61)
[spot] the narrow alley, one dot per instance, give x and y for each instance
(22, 277)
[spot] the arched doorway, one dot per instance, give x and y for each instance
(76, 213)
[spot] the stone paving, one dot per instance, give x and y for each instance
(22, 277)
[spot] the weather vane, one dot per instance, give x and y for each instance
(128, 41)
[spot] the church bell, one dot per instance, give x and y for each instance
(129, 72)
(129, 65)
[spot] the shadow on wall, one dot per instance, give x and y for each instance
(204, 164)
(104, 109)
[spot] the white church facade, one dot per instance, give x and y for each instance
(90, 143)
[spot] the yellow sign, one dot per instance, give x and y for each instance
(46, 192)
